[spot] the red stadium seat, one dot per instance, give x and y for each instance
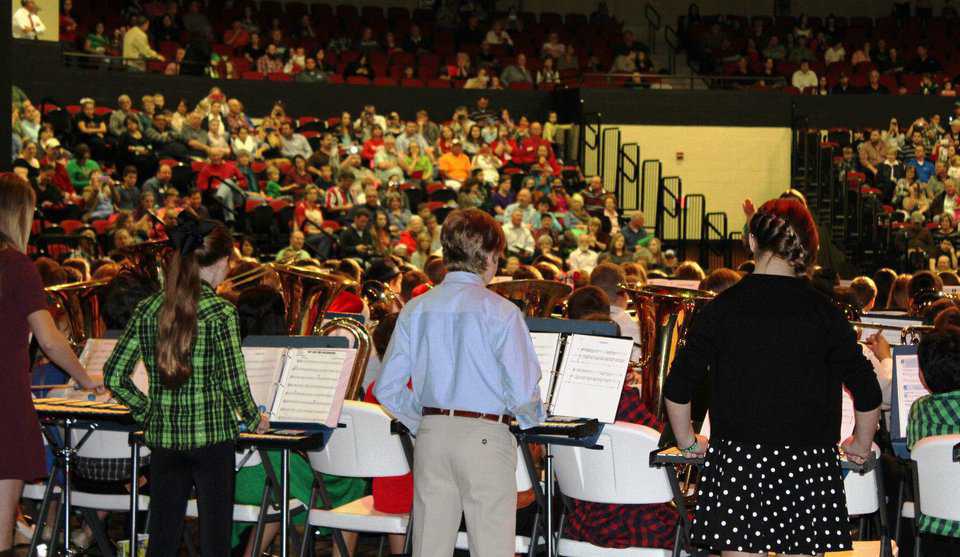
(279, 76)
(385, 82)
(101, 226)
(412, 83)
(358, 80)
(438, 83)
(521, 86)
(256, 76)
(70, 226)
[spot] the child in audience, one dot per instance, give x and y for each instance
(938, 414)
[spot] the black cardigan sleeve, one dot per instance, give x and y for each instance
(693, 359)
(845, 357)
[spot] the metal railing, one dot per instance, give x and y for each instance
(670, 215)
(694, 210)
(653, 25)
(591, 136)
(651, 170)
(669, 81)
(672, 39)
(628, 174)
(715, 248)
(609, 137)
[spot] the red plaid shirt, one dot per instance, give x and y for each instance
(622, 526)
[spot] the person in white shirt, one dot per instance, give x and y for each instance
(609, 277)
(804, 77)
(583, 258)
(26, 23)
(519, 239)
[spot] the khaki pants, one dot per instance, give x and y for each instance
(468, 466)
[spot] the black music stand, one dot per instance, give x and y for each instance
(582, 433)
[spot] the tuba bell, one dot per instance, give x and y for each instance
(363, 345)
(535, 298)
(381, 299)
(148, 257)
(924, 299)
(307, 293)
(80, 303)
(664, 314)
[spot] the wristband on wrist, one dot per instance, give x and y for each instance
(691, 447)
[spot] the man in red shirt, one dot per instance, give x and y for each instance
(226, 183)
(530, 144)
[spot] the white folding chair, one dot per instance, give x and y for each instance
(107, 445)
(251, 514)
(617, 474)
(936, 480)
(522, 543)
(365, 448)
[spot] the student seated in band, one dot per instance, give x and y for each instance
(261, 312)
(611, 525)
(938, 414)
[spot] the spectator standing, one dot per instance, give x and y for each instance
(26, 23)
(924, 167)
(136, 45)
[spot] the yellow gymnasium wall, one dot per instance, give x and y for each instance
(725, 164)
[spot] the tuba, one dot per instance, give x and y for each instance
(307, 293)
(80, 303)
(924, 299)
(381, 299)
(363, 342)
(148, 257)
(535, 298)
(664, 314)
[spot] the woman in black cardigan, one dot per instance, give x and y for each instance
(778, 353)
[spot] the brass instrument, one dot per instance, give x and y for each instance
(80, 303)
(664, 314)
(307, 293)
(381, 299)
(536, 298)
(363, 345)
(924, 299)
(260, 271)
(911, 333)
(148, 257)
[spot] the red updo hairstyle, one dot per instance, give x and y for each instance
(785, 228)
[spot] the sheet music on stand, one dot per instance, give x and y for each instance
(906, 389)
(848, 416)
(95, 353)
(299, 381)
(582, 375)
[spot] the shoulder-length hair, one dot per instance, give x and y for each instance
(17, 201)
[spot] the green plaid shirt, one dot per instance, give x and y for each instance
(935, 415)
(203, 410)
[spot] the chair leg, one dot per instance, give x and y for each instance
(41, 520)
(188, 539)
(99, 532)
(380, 546)
(897, 527)
(55, 534)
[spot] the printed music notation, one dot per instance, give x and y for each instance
(590, 380)
(312, 385)
(547, 347)
(263, 372)
(848, 416)
(909, 388)
(97, 351)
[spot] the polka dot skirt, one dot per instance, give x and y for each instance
(759, 498)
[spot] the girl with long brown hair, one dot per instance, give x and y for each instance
(189, 340)
(23, 306)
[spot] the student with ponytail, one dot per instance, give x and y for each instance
(23, 307)
(189, 340)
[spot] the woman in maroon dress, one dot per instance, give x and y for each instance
(23, 306)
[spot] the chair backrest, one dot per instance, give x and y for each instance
(618, 473)
(523, 477)
(861, 491)
(104, 444)
(938, 476)
(247, 458)
(365, 448)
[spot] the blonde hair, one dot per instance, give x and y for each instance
(17, 201)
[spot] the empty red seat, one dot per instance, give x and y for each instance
(439, 83)
(358, 80)
(279, 76)
(253, 75)
(412, 83)
(70, 226)
(385, 82)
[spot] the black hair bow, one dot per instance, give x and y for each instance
(189, 232)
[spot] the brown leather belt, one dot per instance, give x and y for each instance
(429, 411)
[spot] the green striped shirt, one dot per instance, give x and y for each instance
(203, 410)
(935, 415)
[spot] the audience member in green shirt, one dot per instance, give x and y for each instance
(79, 169)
